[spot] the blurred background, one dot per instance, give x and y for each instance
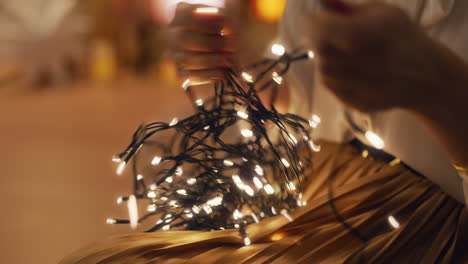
(76, 78)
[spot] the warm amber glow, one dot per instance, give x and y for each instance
(277, 236)
(269, 10)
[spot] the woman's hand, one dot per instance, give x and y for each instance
(201, 43)
(375, 58)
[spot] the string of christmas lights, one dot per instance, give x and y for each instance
(204, 178)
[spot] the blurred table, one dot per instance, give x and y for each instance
(57, 183)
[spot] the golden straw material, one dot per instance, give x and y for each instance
(433, 227)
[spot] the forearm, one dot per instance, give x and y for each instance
(445, 113)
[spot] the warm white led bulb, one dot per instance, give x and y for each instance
(169, 179)
(228, 163)
(186, 84)
(207, 209)
(179, 171)
(247, 133)
(199, 102)
(139, 177)
(156, 160)
(269, 189)
(174, 121)
(166, 227)
(207, 10)
(286, 214)
(258, 183)
(375, 140)
(277, 78)
(116, 159)
(242, 114)
(191, 181)
(247, 77)
(285, 162)
(132, 211)
(278, 49)
(247, 241)
(153, 186)
(249, 190)
(215, 201)
(259, 170)
(111, 221)
(189, 215)
(310, 54)
(119, 200)
(255, 218)
(151, 208)
(314, 147)
(315, 121)
(182, 192)
(393, 222)
(151, 194)
(121, 168)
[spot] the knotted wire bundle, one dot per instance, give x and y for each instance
(230, 164)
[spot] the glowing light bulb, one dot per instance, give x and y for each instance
(258, 183)
(247, 132)
(207, 10)
(291, 186)
(151, 208)
(375, 140)
(259, 170)
(132, 211)
(196, 209)
(269, 189)
(153, 186)
(159, 221)
(166, 227)
(286, 214)
(215, 201)
(189, 215)
(139, 177)
(173, 203)
(228, 163)
(273, 210)
(156, 160)
(199, 102)
(116, 159)
(121, 168)
(186, 84)
(182, 192)
(310, 54)
(247, 77)
(277, 78)
(207, 209)
(111, 221)
(277, 236)
(242, 113)
(151, 194)
(249, 190)
(174, 121)
(239, 183)
(393, 222)
(164, 198)
(255, 218)
(119, 200)
(278, 49)
(247, 241)
(206, 128)
(179, 171)
(191, 181)
(315, 121)
(237, 215)
(169, 179)
(285, 162)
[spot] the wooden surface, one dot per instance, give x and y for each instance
(57, 183)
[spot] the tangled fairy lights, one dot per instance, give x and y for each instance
(230, 164)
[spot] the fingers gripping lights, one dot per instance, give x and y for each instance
(199, 178)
